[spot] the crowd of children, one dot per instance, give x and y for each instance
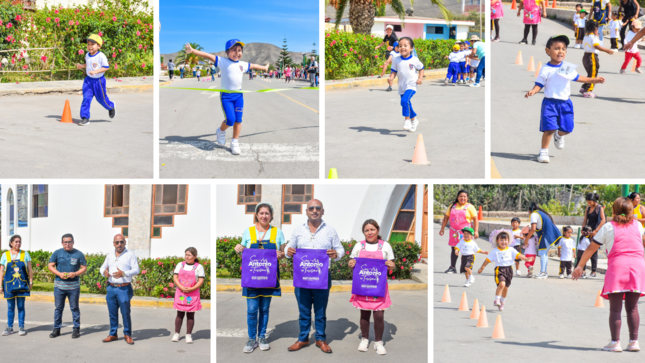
(463, 65)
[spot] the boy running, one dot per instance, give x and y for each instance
(94, 85)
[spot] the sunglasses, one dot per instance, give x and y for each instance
(119, 242)
(68, 243)
(316, 207)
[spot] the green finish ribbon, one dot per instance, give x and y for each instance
(229, 91)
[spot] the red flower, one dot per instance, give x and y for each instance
(55, 11)
(57, 20)
(140, 46)
(18, 18)
(138, 21)
(328, 35)
(113, 55)
(345, 54)
(80, 51)
(157, 258)
(351, 49)
(144, 272)
(37, 265)
(114, 18)
(9, 25)
(71, 22)
(403, 259)
(410, 268)
(143, 65)
(401, 267)
(101, 34)
(171, 284)
(165, 289)
(376, 56)
(347, 253)
(138, 33)
(162, 296)
(160, 263)
(392, 277)
(77, 22)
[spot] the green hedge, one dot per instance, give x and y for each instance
(350, 55)
(230, 264)
(155, 278)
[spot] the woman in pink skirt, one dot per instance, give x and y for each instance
(623, 241)
(496, 13)
(534, 10)
(188, 277)
(372, 247)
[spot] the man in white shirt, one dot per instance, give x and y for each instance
(120, 266)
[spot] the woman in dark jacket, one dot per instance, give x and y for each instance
(630, 10)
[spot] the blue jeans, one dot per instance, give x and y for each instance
(119, 298)
(318, 299)
(544, 259)
(480, 69)
(11, 311)
(407, 106)
(600, 34)
(59, 301)
(254, 307)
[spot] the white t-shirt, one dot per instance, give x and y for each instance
(532, 248)
(606, 235)
(589, 42)
(94, 62)
(388, 253)
(467, 248)
(232, 73)
(535, 217)
(580, 23)
(394, 54)
(567, 245)
(504, 257)
(614, 28)
(454, 57)
(583, 244)
(576, 17)
(630, 35)
(517, 238)
(463, 54)
(199, 271)
(556, 83)
(406, 69)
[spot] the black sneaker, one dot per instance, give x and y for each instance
(389, 89)
(523, 41)
(593, 275)
(55, 333)
(451, 270)
(76, 333)
(84, 122)
(112, 112)
(379, 77)
(533, 42)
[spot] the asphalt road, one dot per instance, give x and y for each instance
(604, 126)
(405, 335)
(152, 331)
(552, 320)
(279, 138)
(365, 137)
(34, 144)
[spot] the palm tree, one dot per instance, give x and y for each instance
(190, 59)
(362, 12)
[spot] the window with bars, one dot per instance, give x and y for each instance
(293, 197)
(168, 200)
(249, 195)
(40, 201)
(404, 223)
(117, 205)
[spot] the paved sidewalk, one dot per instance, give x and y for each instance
(119, 85)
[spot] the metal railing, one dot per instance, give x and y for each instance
(51, 71)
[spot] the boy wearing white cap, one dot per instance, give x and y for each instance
(94, 85)
(232, 69)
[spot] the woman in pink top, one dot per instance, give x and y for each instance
(496, 13)
(287, 74)
(623, 240)
(534, 10)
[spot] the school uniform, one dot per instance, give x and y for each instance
(582, 247)
(406, 70)
(465, 61)
(95, 86)
(503, 260)
(614, 28)
(232, 103)
(462, 61)
(590, 60)
(580, 24)
(557, 109)
(575, 23)
(453, 68)
(467, 250)
(566, 246)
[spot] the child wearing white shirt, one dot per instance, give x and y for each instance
(580, 28)
(405, 67)
(556, 118)
(576, 16)
(614, 28)
(566, 251)
(585, 241)
(590, 60)
(633, 52)
(468, 247)
(453, 67)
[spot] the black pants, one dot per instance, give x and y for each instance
(614, 43)
(594, 260)
(170, 73)
(495, 25)
(453, 258)
(590, 61)
(624, 30)
(565, 266)
(528, 27)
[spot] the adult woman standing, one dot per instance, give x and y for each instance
(389, 39)
(258, 301)
(594, 218)
(461, 214)
(188, 277)
(547, 234)
(600, 14)
(496, 13)
(534, 10)
(639, 210)
(623, 238)
(16, 283)
(630, 10)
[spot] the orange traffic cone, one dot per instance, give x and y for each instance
(513, 5)
(420, 157)
(531, 67)
(599, 302)
(518, 60)
(553, 5)
(67, 114)
(475, 313)
(480, 215)
(446, 295)
(463, 305)
(546, 3)
(498, 330)
(537, 70)
(483, 320)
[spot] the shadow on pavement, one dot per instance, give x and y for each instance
(202, 334)
(548, 345)
(336, 330)
(75, 120)
(272, 131)
(514, 156)
(618, 99)
(145, 334)
(380, 131)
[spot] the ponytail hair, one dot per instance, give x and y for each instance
(594, 197)
(193, 251)
(567, 228)
(632, 195)
(535, 207)
(623, 210)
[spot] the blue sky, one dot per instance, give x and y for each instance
(212, 23)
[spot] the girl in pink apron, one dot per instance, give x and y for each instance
(496, 13)
(372, 304)
(458, 221)
(187, 300)
(625, 277)
(533, 12)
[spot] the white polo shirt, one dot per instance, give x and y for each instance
(567, 245)
(555, 80)
(232, 72)
(505, 257)
(94, 62)
(589, 42)
(467, 248)
(454, 57)
(406, 69)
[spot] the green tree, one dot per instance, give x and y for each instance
(190, 59)
(284, 59)
(313, 51)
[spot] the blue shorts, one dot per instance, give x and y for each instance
(232, 106)
(468, 68)
(462, 67)
(556, 115)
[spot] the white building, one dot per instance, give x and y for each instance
(401, 210)
(415, 27)
(157, 220)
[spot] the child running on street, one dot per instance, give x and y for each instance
(503, 257)
(232, 69)
(566, 251)
(94, 85)
(556, 118)
(405, 67)
(633, 52)
(590, 60)
(468, 247)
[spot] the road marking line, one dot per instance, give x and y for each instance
(254, 152)
(63, 325)
(494, 173)
(301, 104)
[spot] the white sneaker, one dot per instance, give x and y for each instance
(407, 124)
(518, 273)
(221, 137)
(189, 339)
(613, 347)
(446, 81)
(543, 157)
(558, 141)
(543, 275)
(561, 276)
(414, 124)
(235, 148)
(365, 343)
(471, 279)
(175, 338)
(467, 283)
(380, 349)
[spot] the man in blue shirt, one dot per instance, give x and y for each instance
(67, 264)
